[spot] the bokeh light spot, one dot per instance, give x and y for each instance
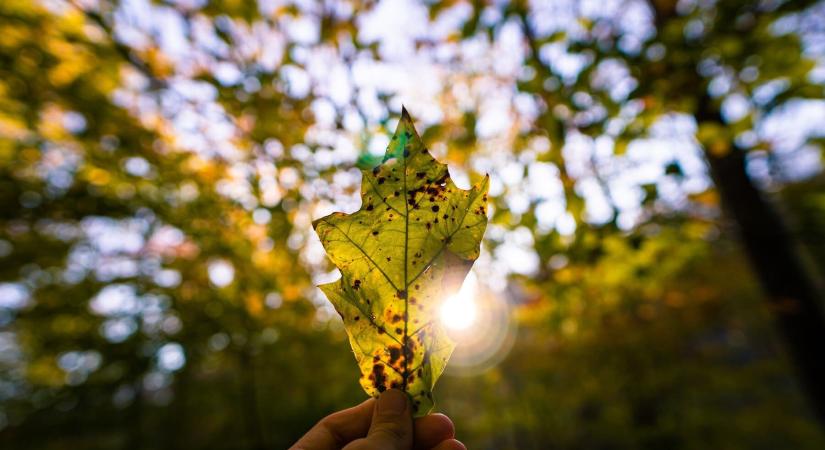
(221, 273)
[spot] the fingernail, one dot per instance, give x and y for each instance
(392, 403)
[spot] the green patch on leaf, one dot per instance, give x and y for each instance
(409, 246)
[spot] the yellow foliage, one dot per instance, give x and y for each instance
(13, 36)
(254, 304)
(12, 127)
(715, 138)
(44, 372)
(98, 177)
(74, 61)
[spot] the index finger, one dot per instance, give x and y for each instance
(431, 430)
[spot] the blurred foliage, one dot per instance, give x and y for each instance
(156, 265)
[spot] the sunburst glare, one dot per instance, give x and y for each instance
(478, 319)
(459, 311)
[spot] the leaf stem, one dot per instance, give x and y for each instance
(404, 344)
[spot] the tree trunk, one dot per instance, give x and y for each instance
(794, 297)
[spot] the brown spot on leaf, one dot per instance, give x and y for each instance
(410, 344)
(378, 377)
(395, 354)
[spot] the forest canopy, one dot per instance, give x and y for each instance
(650, 275)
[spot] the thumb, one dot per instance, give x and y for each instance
(392, 425)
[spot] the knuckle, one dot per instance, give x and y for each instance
(330, 426)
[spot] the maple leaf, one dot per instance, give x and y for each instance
(409, 246)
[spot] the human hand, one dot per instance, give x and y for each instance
(382, 424)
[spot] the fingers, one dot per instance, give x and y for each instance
(336, 430)
(432, 430)
(389, 430)
(450, 444)
(392, 425)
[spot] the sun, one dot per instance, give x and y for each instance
(477, 320)
(459, 311)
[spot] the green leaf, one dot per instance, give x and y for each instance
(409, 246)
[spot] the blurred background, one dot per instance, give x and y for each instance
(650, 278)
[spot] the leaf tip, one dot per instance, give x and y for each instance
(317, 222)
(484, 184)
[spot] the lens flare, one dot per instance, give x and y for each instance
(479, 321)
(459, 311)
